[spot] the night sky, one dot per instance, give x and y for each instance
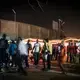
(67, 10)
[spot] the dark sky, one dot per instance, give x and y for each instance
(67, 10)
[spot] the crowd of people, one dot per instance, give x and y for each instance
(16, 54)
(71, 50)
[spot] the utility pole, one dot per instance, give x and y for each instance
(60, 27)
(16, 28)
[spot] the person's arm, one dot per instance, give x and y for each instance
(43, 49)
(7, 45)
(39, 47)
(30, 48)
(33, 47)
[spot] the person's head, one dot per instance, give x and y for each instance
(71, 44)
(46, 40)
(19, 38)
(62, 46)
(13, 42)
(4, 36)
(59, 44)
(74, 44)
(28, 41)
(37, 41)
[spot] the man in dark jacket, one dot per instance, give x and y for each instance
(3, 48)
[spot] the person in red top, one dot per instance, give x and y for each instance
(75, 52)
(72, 52)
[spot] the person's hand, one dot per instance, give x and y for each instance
(7, 51)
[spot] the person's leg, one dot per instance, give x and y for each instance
(19, 63)
(44, 65)
(13, 60)
(62, 68)
(4, 57)
(60, 64)
(38, 56)
(48, 62)
(56, 55)
(35, 58)
(74, 58)
(0, 59)
(70, 57)
(67, 57)
(7, 61)
(26, 61)
(79, 58)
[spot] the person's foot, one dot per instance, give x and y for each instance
(24, 73)
(48, 68)
(64, 73)
(3, 70)
(44, 69)
(36, 66)
(27, 66)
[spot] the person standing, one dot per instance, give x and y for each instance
(3, 49)
(12, 52)
(68, 52)
(21, 52)
(72, 53)
(28, 47)
(46, 55)
(36, 53)
(78, 53)
(75, 53)
(61, 54)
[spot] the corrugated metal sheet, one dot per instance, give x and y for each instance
(25, 30)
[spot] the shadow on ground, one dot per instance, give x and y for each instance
(36, 76)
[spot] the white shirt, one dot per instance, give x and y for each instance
(78, 50)
(36, 47)
(23, 48)
(59, 48)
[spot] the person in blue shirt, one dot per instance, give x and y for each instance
(12, 51)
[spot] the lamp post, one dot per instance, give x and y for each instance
(14, 14)
(15, 22)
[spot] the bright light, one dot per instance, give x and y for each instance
(66, 44)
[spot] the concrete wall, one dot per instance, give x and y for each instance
(15, 29)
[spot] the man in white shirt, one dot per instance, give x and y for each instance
(23, 49)
(36, 48)
(21, 53)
